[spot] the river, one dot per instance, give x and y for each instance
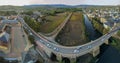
(90, 31)
(108, 54)
(92, 35)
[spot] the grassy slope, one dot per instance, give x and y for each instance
(54, 22)
(115, 42)
(79, 17)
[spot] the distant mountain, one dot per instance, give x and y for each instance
(10, 8)
(45, 6)
(48, 5)
(61, 5)
(86, 5)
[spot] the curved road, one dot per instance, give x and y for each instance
(65, 51)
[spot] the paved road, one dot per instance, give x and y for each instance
(73, 51)
(18, 42)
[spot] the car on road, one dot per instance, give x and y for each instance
(89, 46)
(49, 45)
(76, 51)
(79, 47)
(29, 30)
(56, 49)
(41, 41)
(31, 33)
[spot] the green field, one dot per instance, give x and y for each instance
(54, 21)
(77, 16)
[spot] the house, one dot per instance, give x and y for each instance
(108, 24)
(103, 20)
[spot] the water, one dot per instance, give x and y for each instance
(91, 32)
(92, 35)
(107, 54)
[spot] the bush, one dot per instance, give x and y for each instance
(32, 23)
(32, 40)
(115, 42)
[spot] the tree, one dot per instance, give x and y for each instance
(35, 25)
(32, 40)
(28, 13)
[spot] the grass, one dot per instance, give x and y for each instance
(54, 21)
(118, 33)
(76, 16)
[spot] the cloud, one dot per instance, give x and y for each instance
(77, 2)
(68, 2)
(36, 1)
(13, 2)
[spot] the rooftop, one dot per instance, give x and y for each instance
(9, 21)
(4, 37)
(110, 24)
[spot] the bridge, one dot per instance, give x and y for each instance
(68, 52)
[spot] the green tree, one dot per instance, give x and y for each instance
(32, 39)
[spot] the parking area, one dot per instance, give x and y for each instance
(19, 41)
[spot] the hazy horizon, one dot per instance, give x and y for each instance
(65, 2)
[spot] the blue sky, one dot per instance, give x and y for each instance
(68, 2)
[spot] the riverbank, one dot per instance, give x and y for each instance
(91, 32)
(115, 42)
(98, 26)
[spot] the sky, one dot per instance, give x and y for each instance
(67, 2)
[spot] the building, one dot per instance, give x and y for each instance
(12, 17)
(4, 39)
(2, 27)
(9, 21)
(103, 20)
(108, 24)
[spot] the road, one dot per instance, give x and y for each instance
(65, 51)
